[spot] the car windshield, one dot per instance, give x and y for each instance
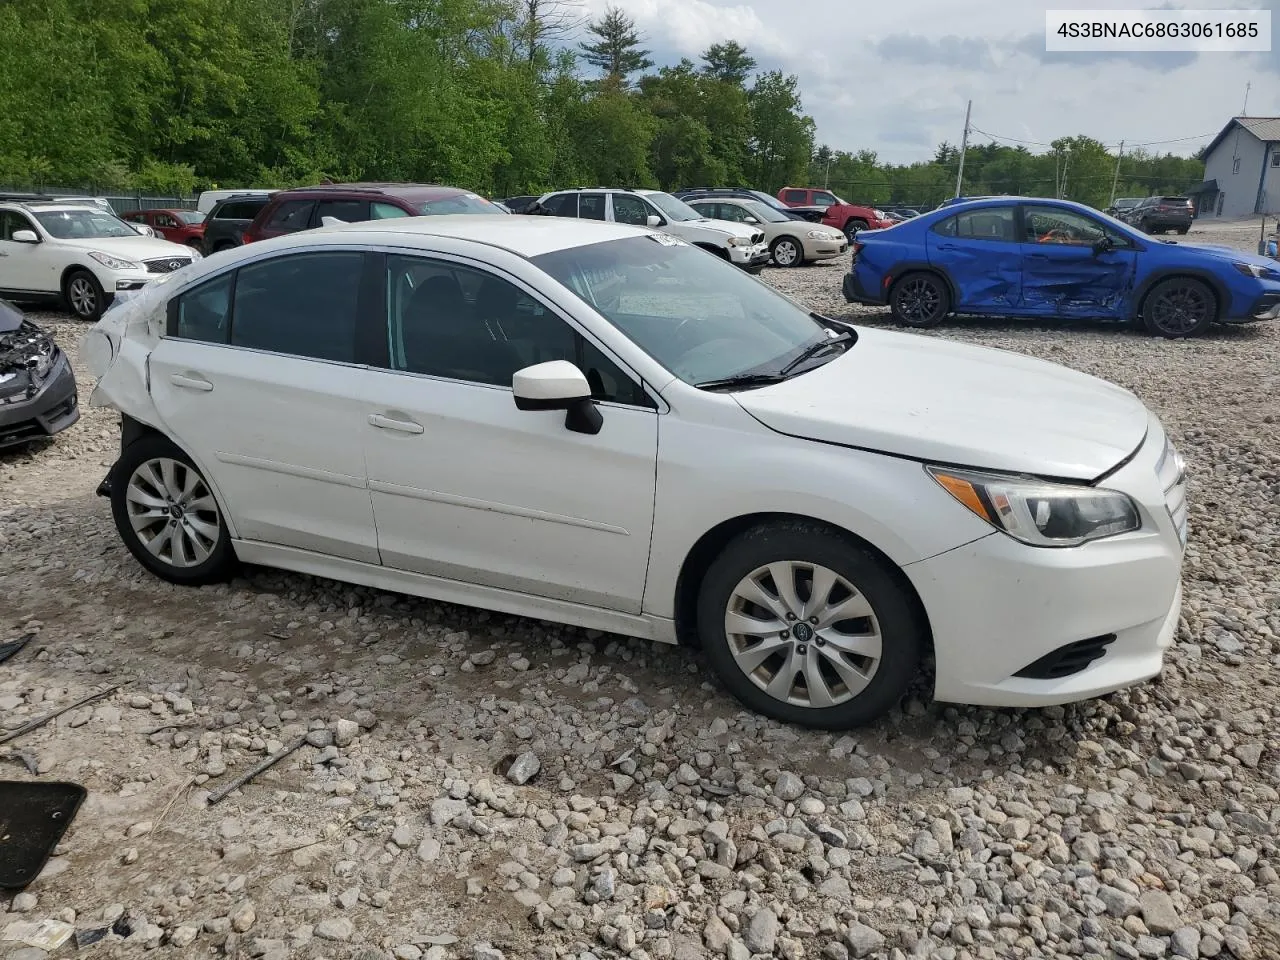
(672, 208)
(763, 213)
(700, 317)
(83, 225)
(459, 203)
(190, 216)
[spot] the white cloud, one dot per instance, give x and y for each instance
(894, 77)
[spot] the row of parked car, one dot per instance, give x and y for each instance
(1155, 214)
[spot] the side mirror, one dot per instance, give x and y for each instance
(749, 219)
(143, 229)
(25, 236)
(558, 385)
(1103, 245)
(652, 221)
(331, 222)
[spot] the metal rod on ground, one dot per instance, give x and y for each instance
(265, 765)
(1116, 177)
(964, 145)
(41, 721)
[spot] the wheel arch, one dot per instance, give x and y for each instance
(78, 267)
(1221, 295)
(694, 567)
(900, 270)
(720, 252)
(132, 430)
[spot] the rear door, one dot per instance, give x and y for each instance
(287, 216)
(979, 251)
(1065, 273)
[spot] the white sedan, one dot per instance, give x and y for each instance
(598, 424)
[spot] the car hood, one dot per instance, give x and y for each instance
(1228, 253)
(131, 248)
(944, 402)
(725, 228)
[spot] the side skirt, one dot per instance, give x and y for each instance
(658, 629)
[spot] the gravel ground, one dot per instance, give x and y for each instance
(476, 785)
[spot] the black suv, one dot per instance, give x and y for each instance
(230, 217)
(810, 214)
(1158, 214)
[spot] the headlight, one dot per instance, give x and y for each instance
(821, 235)
(195, 254)
(113, 263)
(738, 242)
(880, 214)
(1040, 513)
(1256, 270)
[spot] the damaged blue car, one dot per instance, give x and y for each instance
(1055, 260)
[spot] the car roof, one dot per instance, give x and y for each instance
(49, 206)
(413, 192)
(523, 236)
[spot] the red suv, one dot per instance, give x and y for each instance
(849, 217)
(306, 207)
(177, 226)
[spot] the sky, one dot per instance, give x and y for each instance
(894, 77)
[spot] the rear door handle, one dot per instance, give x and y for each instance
(1037, 256)
(190, 383)
(947, 246)
(390, 423)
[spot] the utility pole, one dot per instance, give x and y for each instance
(964, 145)
(1066, 162)
(1244, 111)
(1116, 176)
(826, 181)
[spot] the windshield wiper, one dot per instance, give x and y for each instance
(814, 349)
(741, 380)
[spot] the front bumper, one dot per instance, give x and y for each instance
(53, 408)
(1267, 307)
(123, 281)
(825, 249)
(750, 258)
(997, 607)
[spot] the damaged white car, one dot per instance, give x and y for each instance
(597, 424)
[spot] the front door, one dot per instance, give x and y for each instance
(24, 267)
(467, 487)
(1065, 273)
(979, 251)
(257, 375)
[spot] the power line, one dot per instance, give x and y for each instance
(1041, 143)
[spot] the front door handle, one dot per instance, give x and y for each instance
(190, 383)
(390, 423)
(1037, 256)
(947, 246)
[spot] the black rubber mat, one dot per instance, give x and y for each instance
(33, 818)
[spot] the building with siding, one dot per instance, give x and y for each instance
(1241, 170)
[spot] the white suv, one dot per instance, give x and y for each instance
(79, 252)
(738, 243)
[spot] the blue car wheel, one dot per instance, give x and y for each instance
(1179, 307)
(920, 300)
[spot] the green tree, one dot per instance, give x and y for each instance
(781, 140)
(728, 62)
(616, 49)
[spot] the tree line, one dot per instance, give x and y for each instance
(500, 96)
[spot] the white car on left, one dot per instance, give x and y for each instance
(80, 253)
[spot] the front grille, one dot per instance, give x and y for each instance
(1067, 660)
(757, 238)
(1173, 481)
(166, 265)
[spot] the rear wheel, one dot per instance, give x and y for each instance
(807, 626)
(167, 516)
(787, 252)
(1179, 307)
(1182, 231)
(920, 300)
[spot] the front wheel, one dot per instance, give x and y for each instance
(167, 516)
(787, 252)
(1179, 307)
(84, 295)
(920, 300)
(852, 227)
(807, 626)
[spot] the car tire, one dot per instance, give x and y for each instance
(224, 245)
(852, 227)
(787, 252)
(920, 300)
(855, 673)
(1182, 231)
(167, 515)
(196, 246)
(83, 295)
(1179, 307)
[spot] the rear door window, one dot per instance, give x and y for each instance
(795, 196)
(290, 216)
(591, 206)
(348, 211)
(562, 205)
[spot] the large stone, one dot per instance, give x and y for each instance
(337, 929)
(524, 768)
(762, 932)
(863, 940)
(1158, 913)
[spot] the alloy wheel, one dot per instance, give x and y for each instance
(84, 299)
(785, 253)
(918, 301)
(1179, 310)
(173, 512)
(803, 634)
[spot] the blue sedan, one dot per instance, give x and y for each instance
(1055, 260)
